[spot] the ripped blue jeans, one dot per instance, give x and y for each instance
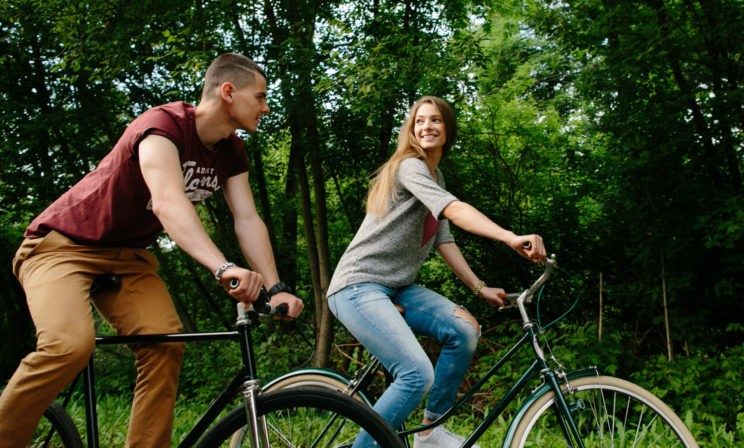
(368, 311)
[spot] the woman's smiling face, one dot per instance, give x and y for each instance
(429, 127)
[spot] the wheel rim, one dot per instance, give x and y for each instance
(608, 413)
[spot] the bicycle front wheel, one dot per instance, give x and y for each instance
(316, 380)
(304, 417)
(609, 412)
(56, 430)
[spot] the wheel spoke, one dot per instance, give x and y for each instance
(608, 412)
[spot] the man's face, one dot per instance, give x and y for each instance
(249, 105)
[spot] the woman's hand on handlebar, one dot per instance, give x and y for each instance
(530, 247)
(493, 296)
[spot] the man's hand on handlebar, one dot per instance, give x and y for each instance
(243, 284)
(293, 303)
(286, 306)
(283, 305)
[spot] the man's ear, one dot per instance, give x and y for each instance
(226, 92)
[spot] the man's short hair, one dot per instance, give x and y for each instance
(231, 67)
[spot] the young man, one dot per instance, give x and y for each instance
(169, 158)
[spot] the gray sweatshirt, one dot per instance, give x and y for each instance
(390, 250)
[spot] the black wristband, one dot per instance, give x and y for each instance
(279, 287)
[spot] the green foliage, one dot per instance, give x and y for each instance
(611, 128)
(15, 344)
(706, 383)
(646, 92)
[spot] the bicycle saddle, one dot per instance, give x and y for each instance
(105, 281)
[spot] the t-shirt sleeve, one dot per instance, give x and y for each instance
(155, 121)
(240, 163)
(414, 176)
(166, 127)
(443, 234)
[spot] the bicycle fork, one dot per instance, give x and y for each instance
(563, 411)
(550, 377)
(258, 428)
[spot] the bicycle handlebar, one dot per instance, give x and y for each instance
(262, 305)
(519, 299)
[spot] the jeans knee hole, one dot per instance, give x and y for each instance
(462, 313)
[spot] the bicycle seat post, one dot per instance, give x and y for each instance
(100, 283)
(91, 415)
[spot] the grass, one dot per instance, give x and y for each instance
(710, 402)
(113, 414)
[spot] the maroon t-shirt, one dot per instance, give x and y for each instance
(112, 206)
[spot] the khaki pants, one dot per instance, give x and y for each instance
(56, 274)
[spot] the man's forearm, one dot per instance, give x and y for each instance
(184, 227)
(256, 246)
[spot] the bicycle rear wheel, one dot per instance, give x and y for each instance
(56, 430)
(609, 412)
(304, 417)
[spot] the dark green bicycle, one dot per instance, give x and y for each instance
(582, 408)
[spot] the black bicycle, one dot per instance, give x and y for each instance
(582, 408)
(296, 417)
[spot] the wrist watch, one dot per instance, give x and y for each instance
(279, 287)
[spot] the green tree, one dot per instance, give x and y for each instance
(661, 81)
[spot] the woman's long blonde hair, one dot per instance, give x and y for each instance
(382, 186)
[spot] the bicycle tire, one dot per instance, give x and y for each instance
(318, 381)
(608, 412)
(56, 430)
(299, 417)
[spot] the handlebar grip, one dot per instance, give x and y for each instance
(527, 245)
(281, 309)
(262, 304)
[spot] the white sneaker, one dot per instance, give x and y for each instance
(439, 438)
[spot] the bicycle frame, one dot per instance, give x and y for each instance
(244, 382)
(538, 368)
(552, 378)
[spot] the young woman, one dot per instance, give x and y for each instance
(373, 291)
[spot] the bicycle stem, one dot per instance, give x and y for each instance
(526, 296)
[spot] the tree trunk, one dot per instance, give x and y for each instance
(324, 317)
(601, 303)
(666, 307)
(299, 103)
